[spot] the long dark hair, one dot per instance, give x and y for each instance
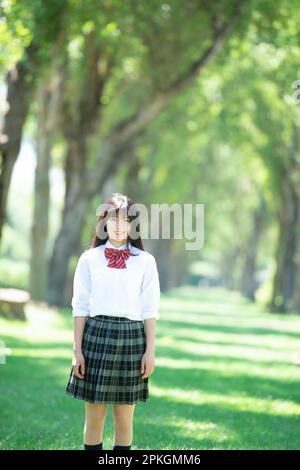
(117, 203)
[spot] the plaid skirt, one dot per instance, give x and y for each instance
(113, 348)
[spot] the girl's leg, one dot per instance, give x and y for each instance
(123, 424)
(95, 416)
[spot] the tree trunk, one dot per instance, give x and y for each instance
(65, 245)
(49, 95)
(294, 303)
(283, 287)
(248, 283)
(20, 89)
(285, 296)
(228, 268)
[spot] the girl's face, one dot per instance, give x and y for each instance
(118, 227)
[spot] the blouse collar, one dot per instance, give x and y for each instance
(133, 249)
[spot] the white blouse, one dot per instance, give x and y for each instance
(132, 292)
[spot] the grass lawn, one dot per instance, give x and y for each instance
(227, 376)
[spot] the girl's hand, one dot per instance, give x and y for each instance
(78, 364)
(147, 364)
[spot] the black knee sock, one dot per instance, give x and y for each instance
(93, 447)
(121, 447)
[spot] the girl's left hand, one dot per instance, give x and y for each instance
(147, 364)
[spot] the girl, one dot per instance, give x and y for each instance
(116, 296)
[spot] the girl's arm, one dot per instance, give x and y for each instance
(80, 304)
(79, 324)
(150, 326)
(78, 361)
(150, 297)
(148, 359)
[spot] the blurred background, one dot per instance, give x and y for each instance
(167, 102)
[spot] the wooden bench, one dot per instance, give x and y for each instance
(12, 303)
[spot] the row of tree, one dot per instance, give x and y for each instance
(179, 101)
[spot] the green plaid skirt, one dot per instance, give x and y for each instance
(113, 348)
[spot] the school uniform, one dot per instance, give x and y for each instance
(116, 292)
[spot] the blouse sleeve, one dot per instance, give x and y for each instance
(81, 288)
(150, 291)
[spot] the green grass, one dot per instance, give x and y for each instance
(227, 376)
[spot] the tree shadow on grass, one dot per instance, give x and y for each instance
(37, 413)
(227, 384)
(233, 343)
(13, 343)
(213, 426)
(222, 328)
(221, 359)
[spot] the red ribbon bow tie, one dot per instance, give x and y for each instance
(117, 257)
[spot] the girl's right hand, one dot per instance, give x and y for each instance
(78, 364)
